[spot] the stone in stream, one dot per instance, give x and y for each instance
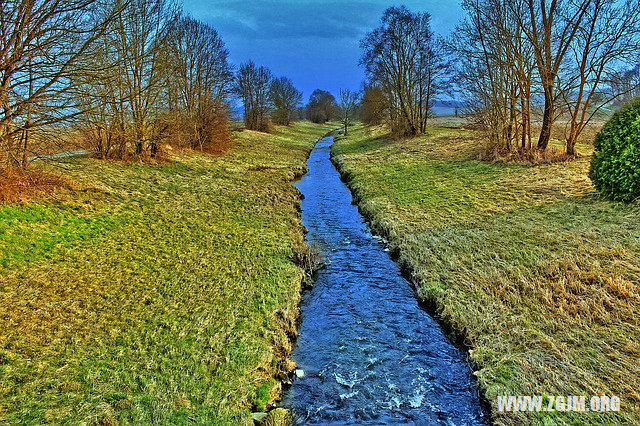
(299, 374)
(259, 417)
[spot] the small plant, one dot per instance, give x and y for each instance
(615, 167)
(263, 395)
(310, 258)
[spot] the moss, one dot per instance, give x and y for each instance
(264, 395)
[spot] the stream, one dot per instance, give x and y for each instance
(369, 352)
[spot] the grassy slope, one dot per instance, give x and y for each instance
(540, 277)
(153, 293)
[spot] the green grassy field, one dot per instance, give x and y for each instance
(154, 294)
(538, 275)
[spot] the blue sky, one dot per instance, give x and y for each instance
(313, 42)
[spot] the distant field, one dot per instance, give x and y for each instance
(537, 274)
(153, 294)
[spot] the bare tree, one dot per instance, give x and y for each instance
(550, 28)
(348, 108)
(142, 30)
(252, 85)
(566, 52)
(42, 45)
(285, 99)
(199, 80)
(322, 107)
(372, 108)
(494, 73)
(404, 59)
(590, 81)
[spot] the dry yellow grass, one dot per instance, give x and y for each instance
(153, 293)
(538, 275)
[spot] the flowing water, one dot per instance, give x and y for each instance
(369, 353)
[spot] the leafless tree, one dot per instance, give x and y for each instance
(404, 59)
(348, 108)
(609, 39)
(42, 46)
(252, 85)
(372, 108)
(142, 30)
(199, 80)
(550, 28)
(285, 99)
(567, 53)
(495, 71)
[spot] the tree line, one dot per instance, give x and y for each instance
(268, 100)
(123, 77)
(519, 66)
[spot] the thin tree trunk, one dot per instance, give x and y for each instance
(547, 120)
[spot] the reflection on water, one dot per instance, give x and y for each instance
(370, 354)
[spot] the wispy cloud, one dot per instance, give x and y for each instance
(279, 19)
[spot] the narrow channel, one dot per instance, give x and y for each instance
(370, 354)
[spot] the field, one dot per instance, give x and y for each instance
(141, 294)
(538, 276)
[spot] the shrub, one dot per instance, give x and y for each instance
(615, 167)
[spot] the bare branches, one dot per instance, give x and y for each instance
(322, 107)
(405, 61)
(253, 85)
(349, 102)
(285, 99)
(42, 44)
(563, 56)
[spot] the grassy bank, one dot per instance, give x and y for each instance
(540, 277)
(153, 294)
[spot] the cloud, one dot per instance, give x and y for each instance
(282, 20)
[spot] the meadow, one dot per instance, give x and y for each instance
(166, 293)
(526, 265)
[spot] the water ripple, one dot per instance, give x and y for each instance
(371, 355)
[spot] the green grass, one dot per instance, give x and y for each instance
(153, 294)
(538, 275)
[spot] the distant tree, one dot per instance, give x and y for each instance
(322, 107)
(627, 84)
(348, 108)
(373, 106)
(253, 86)
(285, 99)
(404, 59)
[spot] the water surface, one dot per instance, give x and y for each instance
(370, 354)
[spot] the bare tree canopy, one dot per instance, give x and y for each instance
(349, 102)
(43, 44)
(406, 62)
(322, 107)
(252, 85)
(198, 83)
(563, 56)
(285, 99)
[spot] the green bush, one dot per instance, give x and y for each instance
(615, 167)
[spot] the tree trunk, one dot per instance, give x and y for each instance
(547, 120)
